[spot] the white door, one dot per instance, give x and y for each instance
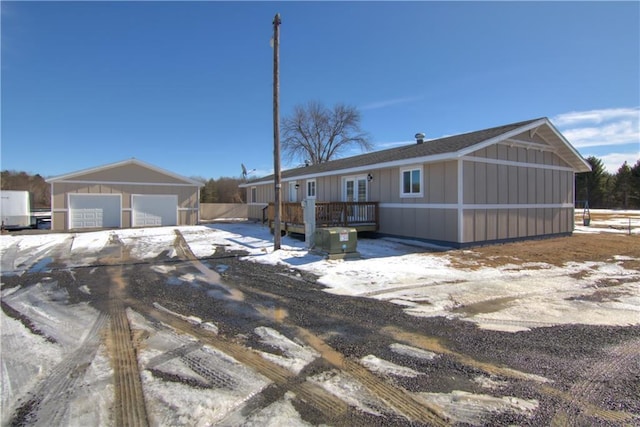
(293, 192)
(355, 190)
(152, 210)
(94, 210)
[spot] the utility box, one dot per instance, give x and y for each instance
(337, 242)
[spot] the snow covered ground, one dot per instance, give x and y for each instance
(509, 298)
(518, 296)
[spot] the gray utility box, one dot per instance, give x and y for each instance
(337, 242)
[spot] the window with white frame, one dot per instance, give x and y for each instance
(254, 195)
(311, 189)
(411, 182)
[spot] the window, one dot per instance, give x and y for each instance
(411, 182)
(311, 189)
(254, 195)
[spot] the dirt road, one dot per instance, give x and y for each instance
(206, 326)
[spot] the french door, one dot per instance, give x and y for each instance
(355, 190)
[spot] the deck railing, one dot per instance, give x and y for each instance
(328, 214)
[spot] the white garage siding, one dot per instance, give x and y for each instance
(154, 210)
(95, 210)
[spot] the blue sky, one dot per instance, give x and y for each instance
(187, 86)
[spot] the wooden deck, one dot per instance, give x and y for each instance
(363, 216)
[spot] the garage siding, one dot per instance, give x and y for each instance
(187, 200)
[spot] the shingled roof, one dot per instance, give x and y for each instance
(437, 148)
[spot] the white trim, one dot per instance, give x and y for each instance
(443, 156)
(69, 216)
(529, 145)
(367, 168)
(474, 206)
(501, 137)
(571, 147)
(292, 191)
(127, 183)
(261, 204)
(127, 210)
(315, 188)
(355, 179)
(411, 168)
(460, 199)
(133, 161)
(519, 206)
(188, 209)
(514, 163)
(60, 210)
(419, 205)
(173, 196)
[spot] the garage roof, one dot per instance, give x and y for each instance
(146, 173)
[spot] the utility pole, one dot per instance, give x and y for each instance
(276, 132)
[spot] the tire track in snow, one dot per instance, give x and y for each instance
(129, 404)
(48, 402)
(397, 398)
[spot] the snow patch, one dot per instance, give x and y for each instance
(388, 368)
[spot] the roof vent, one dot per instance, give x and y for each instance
(419, 137)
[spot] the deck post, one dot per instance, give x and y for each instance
(309, 215)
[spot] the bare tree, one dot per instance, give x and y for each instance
(317, 134)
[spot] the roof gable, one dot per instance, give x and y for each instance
(127, 171)
(447, 148)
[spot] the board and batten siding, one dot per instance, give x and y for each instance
(264, 194)
(431, 216)
(187, 199)
(514, 189)
(514, 192)
(129, 173)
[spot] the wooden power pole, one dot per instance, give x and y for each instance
(276, 133)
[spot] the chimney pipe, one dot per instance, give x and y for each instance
(419, 137)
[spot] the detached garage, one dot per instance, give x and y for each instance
(125, 194)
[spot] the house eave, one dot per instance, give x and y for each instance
(561, 147)
(364, 168)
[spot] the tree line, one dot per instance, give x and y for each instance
(221, 190)
(602, 189)
(21, 181)
(599, 188)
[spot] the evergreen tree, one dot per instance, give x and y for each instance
(623, 186)
(590, 186)
(635, 185)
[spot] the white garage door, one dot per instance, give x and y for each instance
(149, 210)
(94, 210)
